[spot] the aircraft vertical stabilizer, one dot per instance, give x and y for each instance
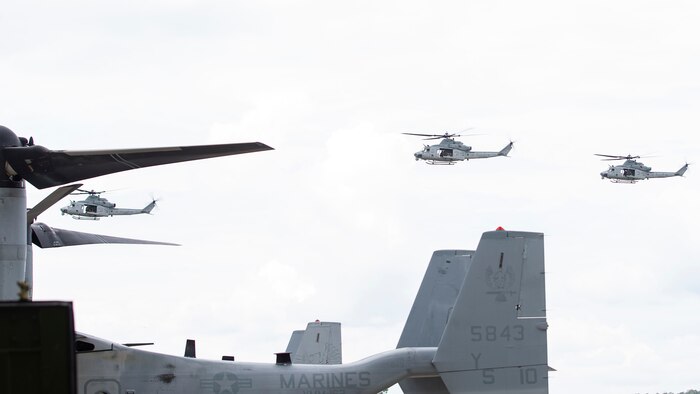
(432, 308)
(149, 207)
(506, 150)
(320, 343)
(295, 341)
(682, 170)
(496, 338)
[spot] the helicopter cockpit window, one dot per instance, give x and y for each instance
(445, 152)
(90, 209)
(627, 172)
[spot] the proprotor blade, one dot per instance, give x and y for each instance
(45, 236)
(45, 168)
(51, 199)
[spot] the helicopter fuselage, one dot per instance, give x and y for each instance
(632, 171)
(448, 151)
(94, 210)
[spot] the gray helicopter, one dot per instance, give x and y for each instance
(95, 207)
(632, 171)
(450, 150)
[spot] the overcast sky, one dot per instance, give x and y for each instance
(339, 222)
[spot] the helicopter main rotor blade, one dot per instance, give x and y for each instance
(439, 136)
(425, 135)
(618, 157)
(51, 199)
(45, 236)
(81, 191)
(44, 168)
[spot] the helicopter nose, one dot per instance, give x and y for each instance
(604, 174)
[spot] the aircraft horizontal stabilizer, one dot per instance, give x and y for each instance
(44, 168)
(45, 236)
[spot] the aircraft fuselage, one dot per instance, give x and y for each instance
(617, 174)
(632, 171)
(86, 211)
(449, 151)
(120, 369)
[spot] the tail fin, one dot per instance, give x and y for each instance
(320, 343)
(149, 207)
(432, 308)
(682, 170)
(496, 338)
(506, 150)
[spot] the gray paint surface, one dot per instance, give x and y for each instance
(494, 361)
(431, 309)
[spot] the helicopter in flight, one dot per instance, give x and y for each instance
(95, 207)
(632, 171)
(450, 150)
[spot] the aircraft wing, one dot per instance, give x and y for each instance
(45, 236)
(44, 168)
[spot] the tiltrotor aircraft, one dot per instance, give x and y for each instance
(450, 150)
(23, 161)
(478, 325)
(632, 171)
(95, 207)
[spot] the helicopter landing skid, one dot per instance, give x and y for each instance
(439, 163)
(630, 181)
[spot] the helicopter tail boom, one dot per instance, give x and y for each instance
(657, 174)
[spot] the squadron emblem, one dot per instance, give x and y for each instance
(501, 280)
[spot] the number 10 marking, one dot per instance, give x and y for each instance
(528, 375)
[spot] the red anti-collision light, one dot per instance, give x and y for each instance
(500, 229)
